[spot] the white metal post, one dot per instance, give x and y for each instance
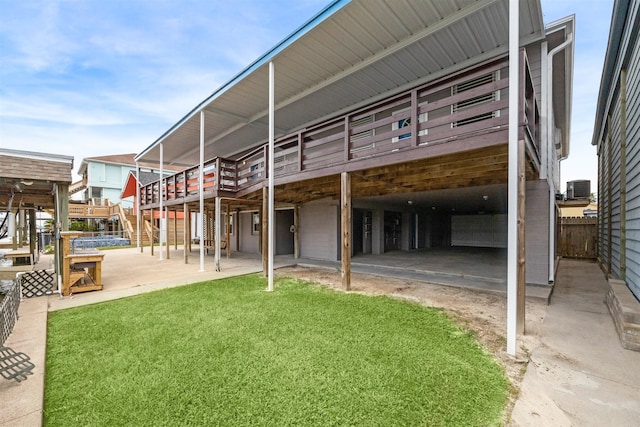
(200, 190)
(270, 217)
(161, 196)
(512, 256)
(137, 206)
(217, 232)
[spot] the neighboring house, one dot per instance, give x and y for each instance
(617, 136)
(104, 177)
(590, 210)
(391, 134)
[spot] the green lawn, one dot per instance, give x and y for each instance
(228, 353)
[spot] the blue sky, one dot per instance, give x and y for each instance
(92, 77)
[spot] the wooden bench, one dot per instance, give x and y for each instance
(211, 244)
(17, 254)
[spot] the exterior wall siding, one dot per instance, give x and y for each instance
(615, 189)
(249, 240)
(610, 171)
(533, 56)
(111, 178)
(633, 172)
(318, 225)
(537, 232)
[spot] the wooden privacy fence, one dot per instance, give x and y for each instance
(577, 237)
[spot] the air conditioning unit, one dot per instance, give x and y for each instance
(578, 189)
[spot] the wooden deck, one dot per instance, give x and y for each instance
(451, 133)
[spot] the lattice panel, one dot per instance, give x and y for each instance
(9, 311)
(15, 366)
(37, 283)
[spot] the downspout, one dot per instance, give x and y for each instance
(551, 155)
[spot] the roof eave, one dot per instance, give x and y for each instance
(325, 13)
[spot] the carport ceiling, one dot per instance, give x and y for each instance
(351, 53)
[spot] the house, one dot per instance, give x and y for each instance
(152, 221)
(617, 136)
(103, 177)
(388, 130)
(584, 210)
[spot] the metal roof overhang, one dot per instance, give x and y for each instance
(352, 53)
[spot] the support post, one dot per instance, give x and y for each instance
(175, 229)
(522, 191)
(139, 244)
(271, 219)
(33, 237)
(152, 232)
(296, 231)
(161, 197)
(237, 225)
(345, 208)
(263, 231)
(166, 211)
(185, 232)
(512, 255)
(216, 233)
(228, 230)
(201, 190)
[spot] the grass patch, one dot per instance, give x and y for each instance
(228, 353)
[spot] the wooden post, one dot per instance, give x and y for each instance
(228, 231)
(166, 210)
(175, 229)
(415, 118)
(185, 233)
(345, 208)
(263, 231)
(151, 223)
(522, 183)
(237, 225)
(33, 236)
(296, 232)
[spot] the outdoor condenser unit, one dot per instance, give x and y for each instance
(578, 189)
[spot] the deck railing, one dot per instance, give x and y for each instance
(472, 103)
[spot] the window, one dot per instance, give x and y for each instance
(477, 100)
(231, 216)
(96, 192)
(406, 123)
(255, 223)
(364, 134)
(253, 168)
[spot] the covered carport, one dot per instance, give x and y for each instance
(33, 182)
(335, 64)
